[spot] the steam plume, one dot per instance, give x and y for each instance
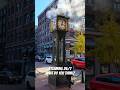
(74, 9)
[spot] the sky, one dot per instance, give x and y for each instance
(40, 5)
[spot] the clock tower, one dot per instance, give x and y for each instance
(59, 52)
(59, 39)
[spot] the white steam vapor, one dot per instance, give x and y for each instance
(74, 9)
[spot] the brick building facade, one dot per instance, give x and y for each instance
(3, 26)
(45, 37)
(92, 11)
(19, 32)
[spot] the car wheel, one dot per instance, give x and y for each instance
(46, 62)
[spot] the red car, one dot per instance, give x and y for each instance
(78, 63)
(105, 82)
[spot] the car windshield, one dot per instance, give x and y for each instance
(109, 79)
(115, 79)
(83, 59)
(48, 57)
(80, 59)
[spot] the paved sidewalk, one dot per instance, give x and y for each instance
(42, 84)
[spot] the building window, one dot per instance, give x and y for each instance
(25, 3)
(89, 21)
(117, 0)
(32, 1)
(27, 18)
(28, 1)
(0, 13)
(118, 6)
(12, 10)
(8, 11)
(18, 7)
(104, 68)
(4, 11)
(21, 20)
(17, 21)
(32, 14)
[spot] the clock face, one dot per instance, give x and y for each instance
(62, 24)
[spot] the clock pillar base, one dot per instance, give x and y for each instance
(57, 82)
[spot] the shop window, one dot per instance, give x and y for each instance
(26, 18)
(104, 68)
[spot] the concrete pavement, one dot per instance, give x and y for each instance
(41, 81)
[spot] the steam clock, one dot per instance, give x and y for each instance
(59, 34)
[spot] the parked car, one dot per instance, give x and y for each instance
(78, 63)
(42, 59)
(105, 82)
(7, 77)
(18, 78)
(30, 80)
(37, 58)
(48, 59)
